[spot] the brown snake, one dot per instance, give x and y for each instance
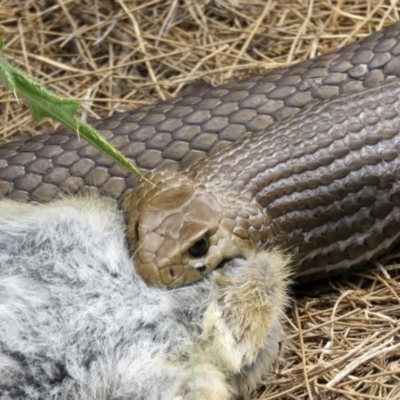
(322, 183)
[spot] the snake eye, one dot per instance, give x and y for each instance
(199, 248)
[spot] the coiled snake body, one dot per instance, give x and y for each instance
(322, 183)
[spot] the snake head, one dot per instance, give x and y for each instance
(177, 230)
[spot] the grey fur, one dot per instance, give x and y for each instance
(77, 322)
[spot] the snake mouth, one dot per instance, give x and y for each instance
(232, 262)
(201, 268)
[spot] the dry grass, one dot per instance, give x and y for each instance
(344, 344)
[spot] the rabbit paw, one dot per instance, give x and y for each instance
(244, 316)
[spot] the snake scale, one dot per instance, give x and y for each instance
(322, 183)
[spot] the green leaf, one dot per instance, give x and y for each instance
(42, 103)
(6, 75)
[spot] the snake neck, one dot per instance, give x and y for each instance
(249, 224)
(325, 180)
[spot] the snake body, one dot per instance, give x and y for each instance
(325, 185)
(181, 132)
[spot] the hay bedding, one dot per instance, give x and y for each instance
(343, 343)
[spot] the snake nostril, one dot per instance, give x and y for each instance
(201, 268)
(172, 273)
(137, 230)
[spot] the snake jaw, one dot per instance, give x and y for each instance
(171, 220)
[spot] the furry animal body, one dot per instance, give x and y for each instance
(77, 322)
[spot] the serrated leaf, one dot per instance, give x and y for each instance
(90, 135)
(6, 75)
(43, 104)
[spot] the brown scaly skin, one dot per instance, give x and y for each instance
(173, 216)
(181, 131)
(324, 185)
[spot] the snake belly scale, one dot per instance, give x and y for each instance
(183, 131)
